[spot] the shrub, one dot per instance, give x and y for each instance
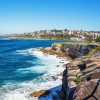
(78, 80)
(94, 51)
(88, 38)
(97, 39)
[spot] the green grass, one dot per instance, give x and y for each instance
(75, 43)
(78, 80)
(94, 51)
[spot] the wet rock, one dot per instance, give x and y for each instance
(57, 65)
(54, 97)
(40, 93)
(54, 77)
(58, 92)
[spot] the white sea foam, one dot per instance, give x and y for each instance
(49, 65)
(15, 96)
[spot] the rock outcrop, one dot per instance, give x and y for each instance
(40, 93)
(89, 90)
(83, 79)
(73, 50)
(57, 47)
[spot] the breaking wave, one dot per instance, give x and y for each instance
(47, 73)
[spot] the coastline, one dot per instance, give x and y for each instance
(52, 63)
(73, 75)
(57, 78)
(51, 80)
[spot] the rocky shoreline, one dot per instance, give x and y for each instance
(81, 77)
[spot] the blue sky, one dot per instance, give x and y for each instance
(18, 16)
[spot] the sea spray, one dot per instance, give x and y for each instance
(48, 66)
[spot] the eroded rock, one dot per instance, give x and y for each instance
(40, 93)
(86, 90)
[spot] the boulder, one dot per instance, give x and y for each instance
(56, 47)
(71, 78)
(73, 52)
(88, 90)
(84, 50)
(71, 84)
(95, 75)
(40, 93)
(82, 66)
(73, 72)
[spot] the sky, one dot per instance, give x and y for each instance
(19, 16)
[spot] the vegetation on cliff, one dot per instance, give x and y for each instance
(88, 38)
(57, 36)
(76, 49)
(78, 80)
(79, 73)
(74, 43)
(97, 39)
(94, 51)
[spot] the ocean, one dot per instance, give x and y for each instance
(24, 69)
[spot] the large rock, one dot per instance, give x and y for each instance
(71, 84)
(95, 75)
(85, 49)
(82, 66)
(73, 72)
(73, 52)
(86, 91)
(56, 47)
(64, 89)
(40, 93)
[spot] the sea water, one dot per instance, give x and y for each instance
(24, 69)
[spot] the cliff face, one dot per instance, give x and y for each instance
(73, 50)
(81, 79)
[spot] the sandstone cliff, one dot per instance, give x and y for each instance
(74, 50)
(81, 77)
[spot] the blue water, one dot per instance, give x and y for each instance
(21, 71)
(10, 61)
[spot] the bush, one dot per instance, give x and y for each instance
(88, 38)
(97, 39)
(78, 80)
(94, 51)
